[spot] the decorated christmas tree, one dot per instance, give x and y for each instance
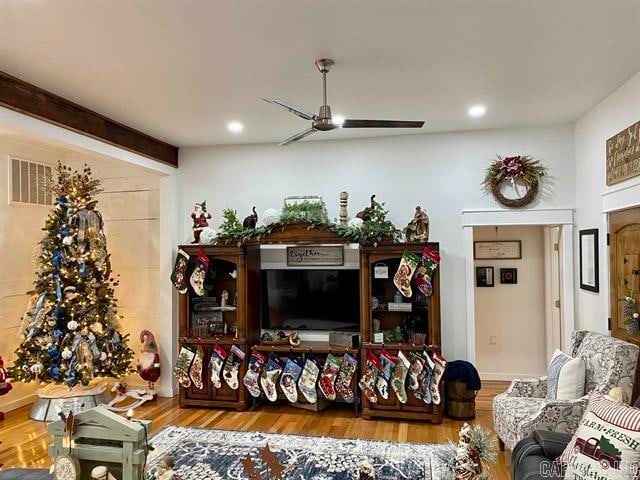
(70, 331)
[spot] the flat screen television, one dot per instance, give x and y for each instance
(311, 300)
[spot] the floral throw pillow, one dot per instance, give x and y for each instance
(607, 443)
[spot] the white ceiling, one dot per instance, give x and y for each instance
(181, 70)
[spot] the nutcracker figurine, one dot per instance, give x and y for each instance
(5, 386)
(199, 217)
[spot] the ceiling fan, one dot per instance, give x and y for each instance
(323, 121)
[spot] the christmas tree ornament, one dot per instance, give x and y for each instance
(179, 275)
(232, 367)
(387, 364)
(399, 376)
(149, 360)
(289, 377)
(440, 364)
(270, 376)
(328, 376)
(217, 361)
(368, 381)
(345, 378)
(74, 288)
(200, 218)
(415, 368)
(199, 273)
(309, 378)
(195, 370)
(402, 278)
(252, 377)
(183, 365)
(423, 278)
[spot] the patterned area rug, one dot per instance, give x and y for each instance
(202, 454)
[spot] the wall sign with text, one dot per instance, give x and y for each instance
(497, 250)
(623, 155)
(315, 256)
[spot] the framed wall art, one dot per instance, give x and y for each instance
(484, 277)
(497, 250)
(589, 260)
(509, 276)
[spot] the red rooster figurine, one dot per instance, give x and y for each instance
(149, 361)
(5, 386)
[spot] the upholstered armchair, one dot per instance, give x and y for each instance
(523, 408)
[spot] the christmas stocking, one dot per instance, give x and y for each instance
(182, 366)
(328, 377)
(195, 371)
(388, 363)
(218, 356)
(438, 372)
(428, 264)
(250, 380)
(417, 364)
(424, 380)
(368, 381)
(289, 379)
(269, 377)
(232, 367)
(399, 377)
(402, 278)
(308, 379)
(345, 378)
(179, 275)
(199, 273)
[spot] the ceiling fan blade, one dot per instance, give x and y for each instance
(350, 123)
(297, 136)
(292, 108)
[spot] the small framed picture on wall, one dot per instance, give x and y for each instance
(484, 277)
(589, 260)
(509, 276)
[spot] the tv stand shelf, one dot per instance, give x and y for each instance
(243, 325)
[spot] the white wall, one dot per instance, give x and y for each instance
(513, 314)
(129, 206)
(441, 172)
(618, 111)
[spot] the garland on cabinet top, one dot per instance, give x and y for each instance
(521, 169)
(370, 226)
(70, 331)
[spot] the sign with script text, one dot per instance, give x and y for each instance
(315, 256)
(623, 155)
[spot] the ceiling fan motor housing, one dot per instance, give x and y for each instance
(323, 121)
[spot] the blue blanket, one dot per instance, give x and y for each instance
(464, 372)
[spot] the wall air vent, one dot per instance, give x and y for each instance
(29, 181)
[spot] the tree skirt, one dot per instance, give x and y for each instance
(202, 454)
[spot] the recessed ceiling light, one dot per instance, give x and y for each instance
(477, 111)
(337, 120)
(235, 127)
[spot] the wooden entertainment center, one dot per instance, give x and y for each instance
(237, 269)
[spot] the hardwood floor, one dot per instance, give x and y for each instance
(24, 442)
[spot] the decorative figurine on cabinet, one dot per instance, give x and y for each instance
(366, 213)
(252, 220)
(200, 218)
(418, 228)
(344, 215)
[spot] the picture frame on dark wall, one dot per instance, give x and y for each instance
(484, 277)
(589, 260)
(509, 276)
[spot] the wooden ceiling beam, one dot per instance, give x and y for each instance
(28, 99)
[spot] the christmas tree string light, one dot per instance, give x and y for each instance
(70, 332)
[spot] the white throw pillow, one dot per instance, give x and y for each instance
(565, 377)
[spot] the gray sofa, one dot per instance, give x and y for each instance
(533, 457)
